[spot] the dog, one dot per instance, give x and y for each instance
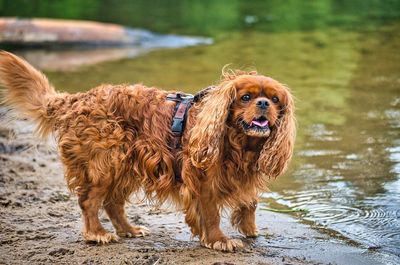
(115, 140)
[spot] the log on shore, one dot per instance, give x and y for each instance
(58, 32)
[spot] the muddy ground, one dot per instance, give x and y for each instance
(40, 222)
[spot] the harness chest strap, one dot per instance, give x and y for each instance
(183, 104)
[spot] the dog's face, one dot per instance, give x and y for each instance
(253, 105)
(256, 107)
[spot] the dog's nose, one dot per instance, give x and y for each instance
(262, 104)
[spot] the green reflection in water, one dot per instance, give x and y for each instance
(214, 17)
(347, 174)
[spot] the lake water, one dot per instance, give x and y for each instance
(342, 61)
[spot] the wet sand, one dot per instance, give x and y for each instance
(40, 222)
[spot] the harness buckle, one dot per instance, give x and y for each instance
(177, 126)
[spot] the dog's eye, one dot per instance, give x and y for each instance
(246, 97)
(275, 99)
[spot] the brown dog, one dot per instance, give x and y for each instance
(116, 139)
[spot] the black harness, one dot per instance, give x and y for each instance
(183, 104)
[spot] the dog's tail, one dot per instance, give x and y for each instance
(27, 90)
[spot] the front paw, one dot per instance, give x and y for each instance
(251, 234)
(227, 245)
(134, 231)
(248, 231)
(101, 237)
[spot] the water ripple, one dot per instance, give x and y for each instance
(368, 223)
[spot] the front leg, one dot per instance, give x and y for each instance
(244, 219)
(202, 212)
(211, 235)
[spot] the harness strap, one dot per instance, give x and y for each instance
(183, 104)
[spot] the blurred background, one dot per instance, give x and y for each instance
(340, 58)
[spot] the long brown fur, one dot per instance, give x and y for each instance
(116, 139)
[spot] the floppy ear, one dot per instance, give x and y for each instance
(278, 149)
(207, 135)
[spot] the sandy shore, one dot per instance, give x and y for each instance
(40, 222)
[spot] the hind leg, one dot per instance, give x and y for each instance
(90, 201)
(116, 212)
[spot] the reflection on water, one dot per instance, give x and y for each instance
(215, 17)
(342, 61)
(347, 173)
(75, 57)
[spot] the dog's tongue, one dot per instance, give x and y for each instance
(259, 123)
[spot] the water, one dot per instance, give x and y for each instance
(342, 61)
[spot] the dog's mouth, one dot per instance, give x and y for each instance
(259, 127)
